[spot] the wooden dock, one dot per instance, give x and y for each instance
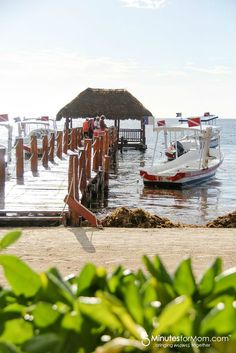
(57, 188)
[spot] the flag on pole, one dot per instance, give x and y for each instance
(148, 120)
(194, 121)
(44, 118)
(161, 123)
(3, 117)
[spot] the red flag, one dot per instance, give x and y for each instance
(194, 121)
(3, 117)
(44, 118)
(161, 123)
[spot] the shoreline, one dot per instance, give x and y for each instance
(69, 249)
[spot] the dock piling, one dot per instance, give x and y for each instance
(45, 152)
(19, 158)
(51, 147)
(34, 155)
(59, 144)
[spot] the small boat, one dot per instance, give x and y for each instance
(192, 156)
(35, 127)
(6, 139)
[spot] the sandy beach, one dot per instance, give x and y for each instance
(70, 248)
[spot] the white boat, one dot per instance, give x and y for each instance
(195, 160)
(7, 142)
(35, 127)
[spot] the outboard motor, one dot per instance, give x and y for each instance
(180, 148)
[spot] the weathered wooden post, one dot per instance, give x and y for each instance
(45, 151)
(59, 144)
(107, 142)
(66, 141)
(73, 187)
(88, 151)
(70, 137)
(82, 171)
(106, 171)
(19, 158)
(2, 176)
(74, 139)
(34, 155)
(100, 151)
(79, 136)
(51, 147)
(96, 154)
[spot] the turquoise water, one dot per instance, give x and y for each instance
(197, 205)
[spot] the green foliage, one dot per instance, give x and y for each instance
(123, 311)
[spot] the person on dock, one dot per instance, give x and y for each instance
(91, 128)
(86, 127)
(102, 123)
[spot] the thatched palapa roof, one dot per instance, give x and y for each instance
(113, 103)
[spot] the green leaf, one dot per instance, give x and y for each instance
(42, 343)
(157, 269)
(172, 313)
(17, 331)
(99, 312)
(6, 347)
(86, 278)
(207, 282)
(118, 345)
(225, 281)
(221, 320)
(9, 239)
(184, 282)
(55, 289)
(116, 307)
(133, 301)
(22, 279)
(44, 314)
(72, 321)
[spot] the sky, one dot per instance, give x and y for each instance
(173, 55)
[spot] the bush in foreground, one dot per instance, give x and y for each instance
(124, 311)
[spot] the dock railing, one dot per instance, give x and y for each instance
(88, 163)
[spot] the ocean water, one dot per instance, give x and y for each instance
(196, 205)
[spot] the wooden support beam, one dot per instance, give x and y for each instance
(88, 151)
(96, 154)
(79, 136)
(82, 171)
(34, 155)
(59, 144)
(100, 159)
(19, 158)
(73, 188)
(74, 138)
(51, 147)
(81, 210)
(66, 141)
(106, 171)
(107, 141)
(45, 151)
(70, 143)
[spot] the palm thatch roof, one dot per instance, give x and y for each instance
(113, 103)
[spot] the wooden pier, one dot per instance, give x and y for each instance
(58, 187)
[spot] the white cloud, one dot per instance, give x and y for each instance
(145, 4)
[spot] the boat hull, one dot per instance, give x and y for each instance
(180, 180)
